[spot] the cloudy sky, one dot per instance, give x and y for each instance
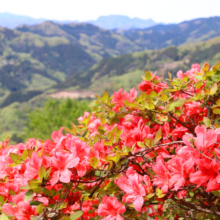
(167, 11)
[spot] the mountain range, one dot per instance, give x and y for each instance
(41, 59)
(34, 58)
(108, 22)
(121, 22)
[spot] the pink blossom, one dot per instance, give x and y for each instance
(204, 139)
(135, 190)
(62, 162)
(111, 208)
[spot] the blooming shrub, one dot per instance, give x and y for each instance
(154, 155)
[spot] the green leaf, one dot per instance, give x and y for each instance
(216, 111)
(76, 215)
(153, 94)
(109, 158)
(30, 152)
(12, 192)
(149, 196)
(205, 67)
(117, 157)
(4, 217)
(164, 98)
(34, 183)
(214, 89)
(207, 122)
(141, 144)
(42, 172)
(170, 75)
(24, 154)
(15, 158)
(199, 84)
(47, 174)
(111, 114)
(40, 208)
(158, 135)
(217, 65)
(28, 195)
(65, 218)
(105, 96)
(148, 75)
(149, 105)
(94, 162)
(73, 128)
(185, 78)
(35, 203)
(2, 198)
(99, 173)
(25, 187)
(158, 192)
(179, 102)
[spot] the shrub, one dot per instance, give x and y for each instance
(155, 154)
(55, 114)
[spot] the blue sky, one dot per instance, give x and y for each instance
(167, 11)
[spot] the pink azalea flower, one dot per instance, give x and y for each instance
(208, 174)
(111, 208)
(33, 166)
(204, 139)
(22, 210)
(63, 162)
(133, 187)
(163, 175)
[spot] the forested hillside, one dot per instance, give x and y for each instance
(42, 59)
(30, 61)
(124, 71)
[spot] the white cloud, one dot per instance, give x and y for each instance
(159, 10)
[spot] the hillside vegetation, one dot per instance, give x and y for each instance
(45, 58)
(124, 71)
(40, 56)
(29, 61)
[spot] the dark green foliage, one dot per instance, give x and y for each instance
(19, 96)
(54, 114)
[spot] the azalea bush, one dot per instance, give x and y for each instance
(153, 155)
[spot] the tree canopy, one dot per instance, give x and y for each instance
(55, 114)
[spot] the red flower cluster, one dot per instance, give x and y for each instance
(155, 154)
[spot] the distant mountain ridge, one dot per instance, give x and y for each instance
(108, 22)
(160, 36)
(121, 22)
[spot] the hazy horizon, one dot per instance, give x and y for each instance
(169, 11)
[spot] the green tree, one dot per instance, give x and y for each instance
(55, 114)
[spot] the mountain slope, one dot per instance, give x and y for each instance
(30, 61)
(94, 40)
(40, 56)
(125, 71)
(160, 36)
(105, 43)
